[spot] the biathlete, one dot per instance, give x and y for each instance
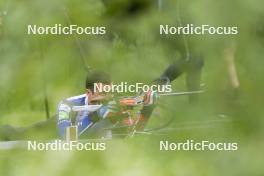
(111, 112)
(118, 111)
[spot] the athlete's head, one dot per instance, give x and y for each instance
(96, 78)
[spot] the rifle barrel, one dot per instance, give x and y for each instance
(181, 93)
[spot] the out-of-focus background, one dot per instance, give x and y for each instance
(36, 71)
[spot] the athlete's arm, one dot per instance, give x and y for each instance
(64, 120)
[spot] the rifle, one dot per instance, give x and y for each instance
(127, 103)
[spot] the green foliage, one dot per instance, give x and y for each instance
(133, 51)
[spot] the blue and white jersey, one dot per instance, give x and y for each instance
(66, 117)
